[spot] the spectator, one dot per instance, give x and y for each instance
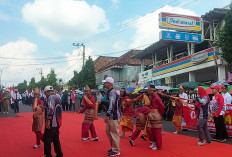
(99, 100)
(218, 113)
(64, 100)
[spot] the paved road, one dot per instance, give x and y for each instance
(167, 125)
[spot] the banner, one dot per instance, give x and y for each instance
(190, 120)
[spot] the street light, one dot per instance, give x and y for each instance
(1, 76)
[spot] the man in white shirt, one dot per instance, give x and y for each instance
(227, 97)
(16, 96)
(182, 93)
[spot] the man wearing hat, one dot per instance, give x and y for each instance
(53, 117)
(218, 110)
(113, 116)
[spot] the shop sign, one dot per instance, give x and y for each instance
(179, 22)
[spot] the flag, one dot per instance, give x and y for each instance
(27, 92)
(73, 96)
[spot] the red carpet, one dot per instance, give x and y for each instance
(17, 139)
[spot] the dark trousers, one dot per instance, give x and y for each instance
(0, 106)
(220, 126)
(52, 136)
(16, 107)
(99, 107)
(65, 106)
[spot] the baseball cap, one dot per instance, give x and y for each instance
(48, 88)
(216, 87)
(108, 79)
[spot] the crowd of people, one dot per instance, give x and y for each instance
(149, 108)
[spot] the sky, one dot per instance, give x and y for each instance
(39, 34)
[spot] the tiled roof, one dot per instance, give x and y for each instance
(125, 59)
(102, 61)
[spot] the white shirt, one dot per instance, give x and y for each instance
(184, 95)
(227, 99)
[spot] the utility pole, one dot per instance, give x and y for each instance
(1, 76)
(83, 54)
(40, 71)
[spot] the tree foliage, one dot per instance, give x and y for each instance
(22, 86)
(225, 39)
(50, 80)
(85, 76)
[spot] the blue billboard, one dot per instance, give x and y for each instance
(180, 36)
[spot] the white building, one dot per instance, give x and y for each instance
(175, 62)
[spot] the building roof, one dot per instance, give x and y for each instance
(125, 59)
(102, 61)
(216, 14)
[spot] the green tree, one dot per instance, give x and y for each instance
(85, 76)
(22, 86)
(32, 84)
(89, 73)
(42, 83)
(52, 80)
(225, 39)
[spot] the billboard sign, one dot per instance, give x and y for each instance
(199, 57)
(180, 36)
(179, 22)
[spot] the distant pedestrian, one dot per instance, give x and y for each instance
(6, 101)
(1, 100)
(64, 100)
(16, 96)
(53, 119)
(77, 105)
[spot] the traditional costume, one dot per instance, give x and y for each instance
(37, 118)
(6, 101)
(178, 115)
(89, 106)
(127, 119)
(154, 122)
(141, 117)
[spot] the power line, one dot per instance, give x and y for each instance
(68, 68)
(127, 25)
(39, 63)
(124, 50)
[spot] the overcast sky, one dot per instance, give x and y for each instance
(40, 33)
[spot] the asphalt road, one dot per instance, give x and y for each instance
(167, 125)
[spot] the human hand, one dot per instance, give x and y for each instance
(107, 120)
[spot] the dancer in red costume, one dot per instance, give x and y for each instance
(127, 118)
(89, 106)
(38, 106)
(154, 123)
